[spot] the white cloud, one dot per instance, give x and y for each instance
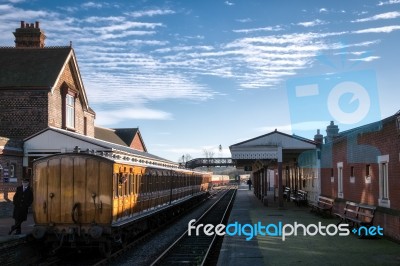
(244, 20)
(388, 15)
(229, 3)
(274, 28)
(385, 29)
(91, 5)
(366, 59)
(312, 23)
(96, 19)
(151, 13)
(390, 2)
(114, 116)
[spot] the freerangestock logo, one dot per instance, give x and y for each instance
(280, 230)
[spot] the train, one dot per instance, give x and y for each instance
(220, 180)
(92, 200)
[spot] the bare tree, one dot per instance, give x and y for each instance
(208, 153)
(184, 158)
(188, 157)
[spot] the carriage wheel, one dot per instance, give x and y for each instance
(105, 248)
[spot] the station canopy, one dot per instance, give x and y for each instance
(266, 149)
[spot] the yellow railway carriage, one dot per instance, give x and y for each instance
(86, 198)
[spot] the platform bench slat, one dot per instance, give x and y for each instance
(299, 197)
(357, 214)
(323, 206)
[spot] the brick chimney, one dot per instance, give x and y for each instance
(332, 131)
(318, 138)
(29, 35)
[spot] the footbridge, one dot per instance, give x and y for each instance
(209, 162)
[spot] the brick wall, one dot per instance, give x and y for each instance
(56, 106)
(10, 154)
(137, 143)
(22, 112)
(382, 140)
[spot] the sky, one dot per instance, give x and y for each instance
(195, 76)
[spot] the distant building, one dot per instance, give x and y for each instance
(130, 137)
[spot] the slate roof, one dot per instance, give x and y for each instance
(126, 134)
(108, 134)
(31, 67)
(102, 143)
(279, 133)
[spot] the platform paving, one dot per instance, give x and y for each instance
(306, 250)
(7, 222)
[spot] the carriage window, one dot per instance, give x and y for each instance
(119, 185)
(149, 183)
(137, 180)
(143, 184)
(131, 183)
(126, 184)
(116, 182)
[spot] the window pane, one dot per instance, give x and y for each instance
(70, 112)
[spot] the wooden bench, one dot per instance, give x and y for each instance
(357, 214)
(323, 205)
(299, 197)
(349, 212)
(286, 193)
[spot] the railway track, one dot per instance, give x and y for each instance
(195, 249)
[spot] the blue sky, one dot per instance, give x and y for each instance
(193, 75)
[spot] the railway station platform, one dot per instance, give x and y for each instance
(300, 249)
(13, 248)
(7, 222)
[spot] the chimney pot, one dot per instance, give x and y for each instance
(29, 35)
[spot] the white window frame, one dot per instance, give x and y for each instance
(383, 162)
(69, 111)
(340, 179)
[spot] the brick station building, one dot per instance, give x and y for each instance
(361, 165)
(41, 88)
